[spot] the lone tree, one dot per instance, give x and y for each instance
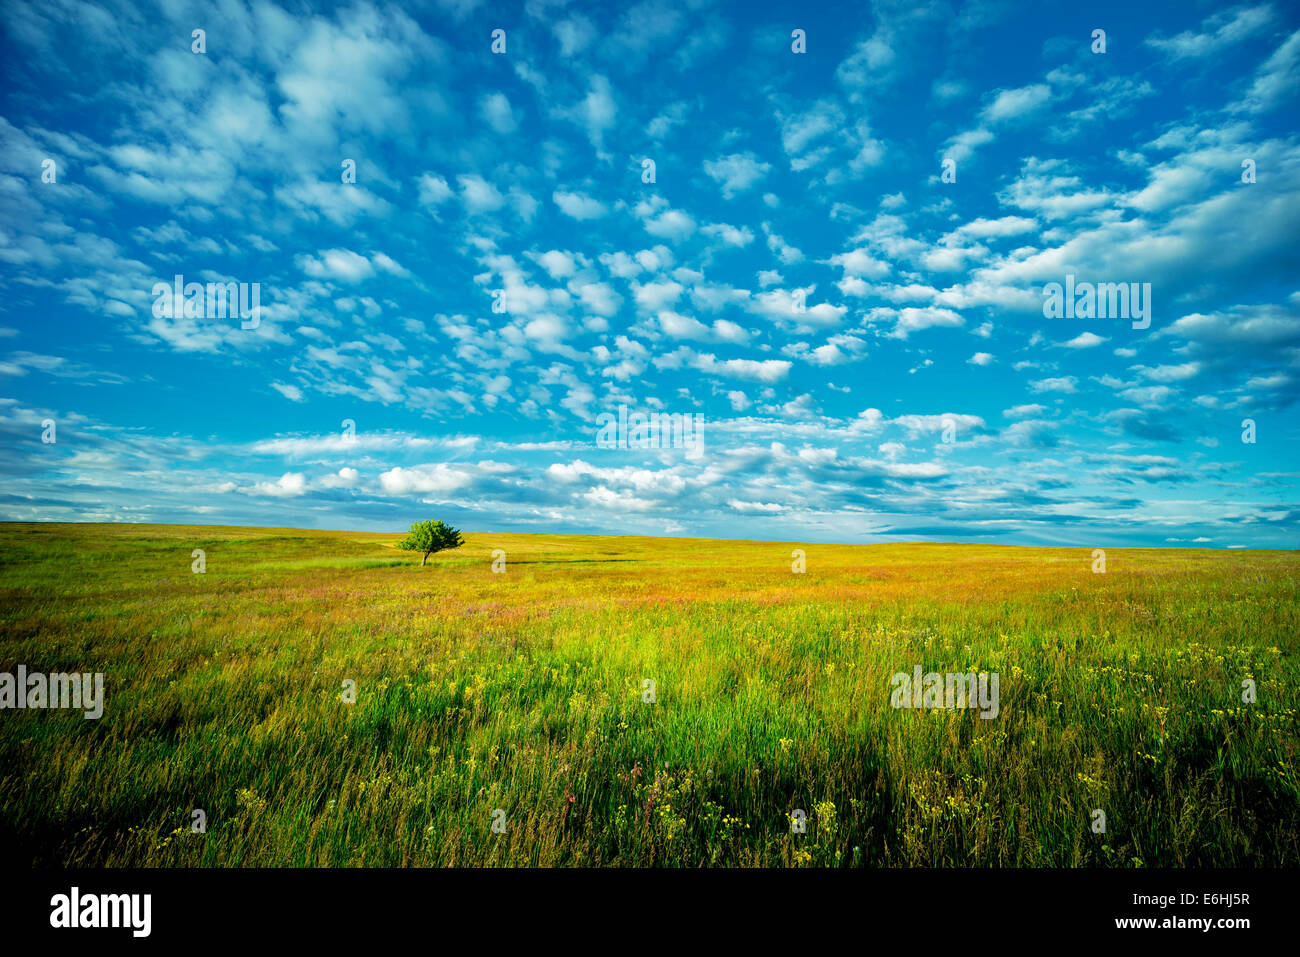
(430, 537)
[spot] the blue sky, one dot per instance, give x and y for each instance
(866, 342)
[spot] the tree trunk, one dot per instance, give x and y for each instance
(425, 558)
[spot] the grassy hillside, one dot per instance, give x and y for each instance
(523, 691)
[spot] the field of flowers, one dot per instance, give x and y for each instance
(599, 701)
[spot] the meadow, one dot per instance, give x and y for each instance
(521, 698)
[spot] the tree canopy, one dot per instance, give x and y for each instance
(430, 537)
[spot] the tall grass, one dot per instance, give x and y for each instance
(523, 692)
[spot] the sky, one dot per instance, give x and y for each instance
(827, 232)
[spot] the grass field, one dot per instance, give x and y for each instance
(524, 692)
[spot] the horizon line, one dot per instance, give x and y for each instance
(762, 541)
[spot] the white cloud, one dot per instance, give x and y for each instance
(559, 265)
(344, 478)
(289, 485)
(578, 205)
(439, 478)
(1024, 411)
(736, 172)
(595, 113)
(653, 296)
(730, 234)
(671, 224)
(859, 262)
(769, 508)
(433, 190)
(495, 108)
(1275, 80)
(341, 264)
(1218, 32)
(574, 34)
(1060, 384)
(1012, 104)
(753, 370)
(478, 195)
(1085, 340)
(913, 319)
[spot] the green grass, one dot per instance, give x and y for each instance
(522, 692)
